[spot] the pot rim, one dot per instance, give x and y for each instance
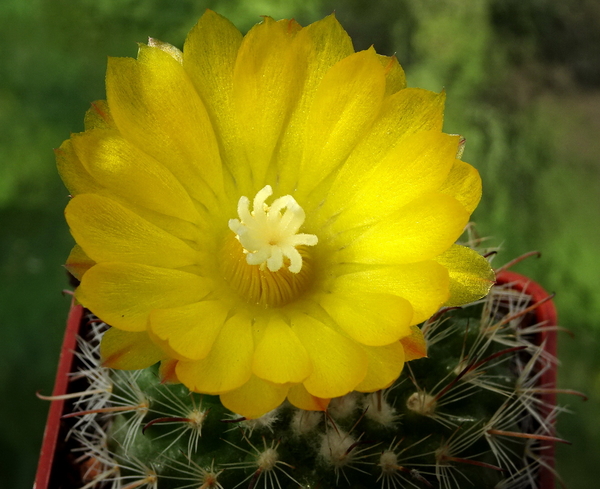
(61, 385)
(545, 313)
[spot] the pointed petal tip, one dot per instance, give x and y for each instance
(415, 345)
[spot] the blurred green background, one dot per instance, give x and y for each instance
(523, 84)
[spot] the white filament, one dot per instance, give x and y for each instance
(269, 234)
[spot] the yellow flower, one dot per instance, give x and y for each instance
(269, 215)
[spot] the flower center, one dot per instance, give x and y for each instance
(266, 261)
(268, 234)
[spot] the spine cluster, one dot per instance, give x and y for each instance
(471, 415)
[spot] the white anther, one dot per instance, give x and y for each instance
(269, 234)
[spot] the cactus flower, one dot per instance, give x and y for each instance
(269, 215)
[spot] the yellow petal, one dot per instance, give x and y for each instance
(302, 399)
(255, 398)
(464, 184)
(189, 330)
(78, 180)
(171, 50)
(280, 357)
(174, 129)
(166, 371)
(209, 55)
(123, 294)
(404, 113)
(419, 231)
(98, 116)
(344, 106)
(323, 44)
(74, 175)
(165, 346)
(228, 365)
(395, 79)
(366, 191)
(425, 285)
(471, 275)
(109, 232)
(385, 365)
(78, 262)
(370, 319)
(339, 364)
(267, 80)
(185, 230)
(415, 346)
(126, 170)
(126, 350)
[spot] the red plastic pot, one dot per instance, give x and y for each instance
(545, 314)
(47, 463)
(49, 472)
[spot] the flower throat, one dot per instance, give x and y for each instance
(267, 261)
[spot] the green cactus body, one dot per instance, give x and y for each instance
(467, 416)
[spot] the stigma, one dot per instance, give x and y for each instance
(269, 234)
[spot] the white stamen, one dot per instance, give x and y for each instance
(268, 233)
